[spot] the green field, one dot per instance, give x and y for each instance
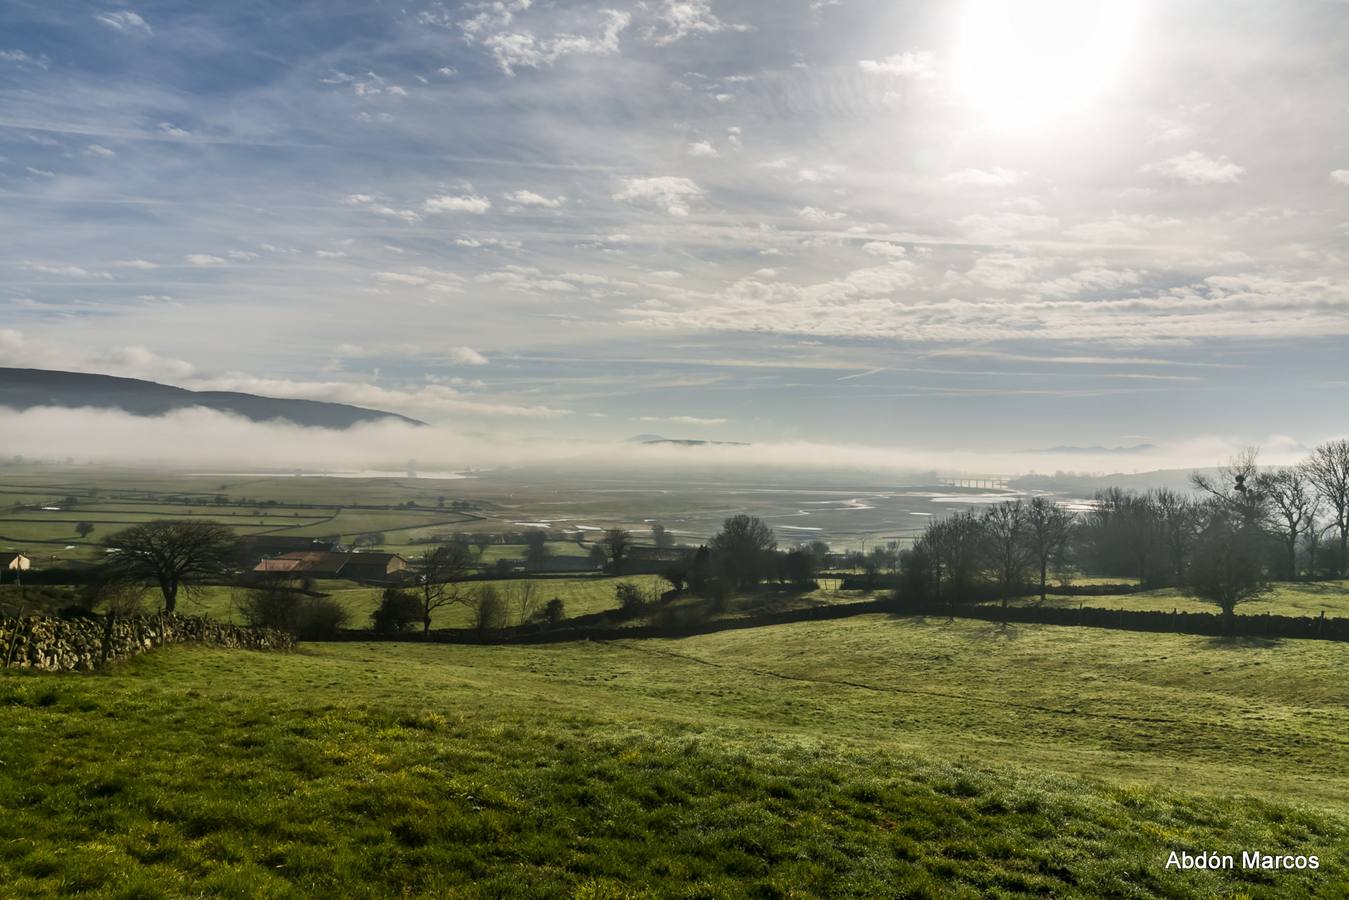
(1284, 599)
(868, 757)
(581, 595)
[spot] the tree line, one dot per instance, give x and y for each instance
(1242, 527)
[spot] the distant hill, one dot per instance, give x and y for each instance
(683, 442)
(27, 388)
(1136, 448)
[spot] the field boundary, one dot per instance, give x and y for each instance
(1203, 624)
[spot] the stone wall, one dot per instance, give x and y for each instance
(51, 644)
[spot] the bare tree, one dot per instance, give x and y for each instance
(174, 556)
(1236, 484)
(487, 608)
(1006, 537)
(524, 598)
(1048, 528)
(616, 542)
(1328, 470)
(1175, 514)
(1290, 503)
(84, 529)
(438, 581)
(953, 545)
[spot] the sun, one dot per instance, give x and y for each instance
(1023, 64)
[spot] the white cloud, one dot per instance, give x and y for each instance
(1340, 176)
(469, 203)
(1196, 168)
(668, 192)
(702, 149)
(41, 173)
(141, 362)
(18, 57)
(817, 215)
(678, 19)
(529, 198)
(136, 264)
(125, 21)
(995, 177)
(430, 400)
(517, 49)
(64, 271)
(467, 356)
(1002, 225)
(885, 248)
(1121, 228)
(920, 64)
(203, 259)
(173, 130)
(407, 215)
(100, 151)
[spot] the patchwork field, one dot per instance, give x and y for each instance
(868, 757)
(581, 595)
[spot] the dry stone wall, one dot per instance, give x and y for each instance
(80, 645)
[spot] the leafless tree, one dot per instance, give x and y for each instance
(523, 597)
(954, 544)
(1177, 521)
(487, 608)
(1006, 537)
(1236, 484)
(1328, 470)
(1048, 529)
(173, 556)
(1290, 497)
(438, 580)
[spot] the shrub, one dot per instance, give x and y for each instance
(272, 604)
(630, 597)
(397, 611)
(281, 606)
(554, 612)
(319, 618)
(488, 608)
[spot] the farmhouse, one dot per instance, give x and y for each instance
(257, 546)
(14, 562)
(328, 564)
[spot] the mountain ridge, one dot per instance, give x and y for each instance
(22, 388)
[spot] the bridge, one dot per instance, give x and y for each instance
(994, 482)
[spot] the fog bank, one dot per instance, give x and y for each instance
(200, 438)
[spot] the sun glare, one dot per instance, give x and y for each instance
(1029, 63)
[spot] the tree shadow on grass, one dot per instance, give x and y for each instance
(1243, 642)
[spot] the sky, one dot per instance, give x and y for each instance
(954, 226)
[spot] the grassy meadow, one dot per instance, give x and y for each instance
(873, 756)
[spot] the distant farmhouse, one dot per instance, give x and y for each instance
(14, 562)
(376, 567)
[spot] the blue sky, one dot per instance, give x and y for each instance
(891, 224)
